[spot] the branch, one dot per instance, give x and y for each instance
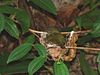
(63, 33)
(77, 32)
(35, 31)
(85, 48)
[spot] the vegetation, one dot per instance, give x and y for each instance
(50, 50)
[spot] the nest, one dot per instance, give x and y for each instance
(57, 51)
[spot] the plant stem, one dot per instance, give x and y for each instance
(85, 48)
(78, 32)
(63, 33)
(35, 31)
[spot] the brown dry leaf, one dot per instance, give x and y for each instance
(66, 14)
(71, 43)
(42, 21)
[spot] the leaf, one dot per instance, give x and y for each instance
(30, 39)
(12, 68)
(99, 67)
(19, 52)
(60, 69)
(41, 49)
(46, 5)
(2, 22)
(7, 1)
(23, 17)
(89, 19)
(19, 67)
(79, 21)
(36, 64)
(98, 59)
(87, 70)
(96, 30)
(83, 40)
(4, 56)
(7, 9)
(86, 2)
(92, 4)
(28, 56)
(11, 28)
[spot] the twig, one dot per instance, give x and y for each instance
(96, 49)
(35, 31)
(77, 32)
(63, 33)
(84, 48)
(49, 69)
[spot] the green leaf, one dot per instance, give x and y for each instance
(12, 68)
(7, 1)
(41, 49)
(60, 69)
(98, 59)
(19, 52)
(11, 28)
(2, 22)
(30, 39)
(92, 4)
(28, 56)
(99, 67)
(36, 64)
(19, 67)
(4, 57)
(89, 19)
(87, 70)
(7, 9)
(46, 5)
(86, 2)
(23, 17)
(79, 21)
(96, 30)
(84, 39)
